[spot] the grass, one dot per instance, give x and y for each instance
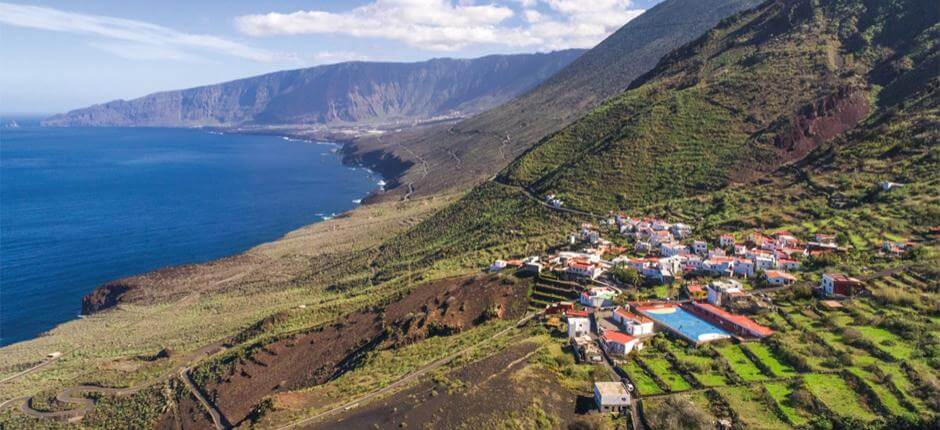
(741, 364)
(643, 382)
(837, 396)
(750, 408)
(887, 341)
(767, 358)
(663, 369)
(885, 397)
(780, 393)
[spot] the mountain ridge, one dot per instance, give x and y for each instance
(344, 94)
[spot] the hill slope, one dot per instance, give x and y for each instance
(756, 92)
(445, 156)
(345, 93)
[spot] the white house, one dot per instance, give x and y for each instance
(633, 324)
(642, 246)
(726, 241)
(680, 230)
(578, 325)
(700, 247)
(764, 262)
(721, 292)
(611, 397)
(671, 249)
(788, 264)
(598, 297)
(743, 267)
(620, 344)
(497, 265)
(660, 237)
(580, 269)
(740, 250)
(777, 277)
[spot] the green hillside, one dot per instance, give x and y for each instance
(760, 90)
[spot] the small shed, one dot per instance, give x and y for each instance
(611, 397)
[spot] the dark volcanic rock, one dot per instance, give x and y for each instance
(345, 93)
(103, 297)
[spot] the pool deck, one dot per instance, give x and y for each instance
(662, 323)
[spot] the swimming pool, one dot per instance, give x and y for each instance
(685, 324)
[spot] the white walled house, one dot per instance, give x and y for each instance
(726, 241)
(611, 397)
(578, 326)
(700, 247)
(778, 278)
(633, 324)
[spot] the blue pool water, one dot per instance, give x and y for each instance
(691, 326)
(79, 207)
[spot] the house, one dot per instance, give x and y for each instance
(695, 292)
(743, 267)
(724, 292)
(680, 230)
(660, 237)
(894, 247)
(578, 324)
(777, 277)
(635, 325)
(716, 252)
(700, 247)
(497, 265)
(532, 265)
(660, 225)
(825, 239)
(785, 240)
(558, 308)
(671, 249)
(836, 284)
(582, 270)
(718, 266)
(619, 344)
(643, 247)
(726, 241)
(764, 262)
(598, 297)
(740, 250)
(611, 397)
(788, 264)
(758, 239)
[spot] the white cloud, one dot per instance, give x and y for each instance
(446, 26)
(137, 39)
(330, 57)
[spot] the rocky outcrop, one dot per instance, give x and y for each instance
(103, 297)
(818, 122)
(341, 94)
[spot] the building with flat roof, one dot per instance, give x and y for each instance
(611, 397)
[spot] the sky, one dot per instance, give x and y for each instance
(63, 55)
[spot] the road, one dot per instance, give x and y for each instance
(403, 381)
(30, 370)
(217, 419)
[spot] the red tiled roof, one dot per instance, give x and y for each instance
(617, 337)
(632, 316)
(779, 274)
(694, 288)
(576, 314)
(738, 320)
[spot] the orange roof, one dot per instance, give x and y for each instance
(694, 288)
(739, 320)
(617, 337)
(576, 314)
(779, 274)
(631, 316)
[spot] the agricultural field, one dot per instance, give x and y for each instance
(740, 363)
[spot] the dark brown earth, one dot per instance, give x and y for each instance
(818, 122)
(315, 357)
(479, 395)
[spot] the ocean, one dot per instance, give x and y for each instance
(82, 206)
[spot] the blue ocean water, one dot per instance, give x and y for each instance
(82, 206)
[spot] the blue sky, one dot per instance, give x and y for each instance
(61, 55)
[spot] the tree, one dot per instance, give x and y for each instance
(626, 275)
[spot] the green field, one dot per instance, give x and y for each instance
(752, 411)
(780, 392)
(741, 365)
(836, 395)
(779, 369)
(663, 369)
(643, 382)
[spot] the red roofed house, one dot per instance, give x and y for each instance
(739, 324)
(696, 292)
(581, 269)
(636, 325)
(777, 277)
(619, 343)
(726, 241)
(835, 284)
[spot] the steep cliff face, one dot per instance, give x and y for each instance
(345, 93)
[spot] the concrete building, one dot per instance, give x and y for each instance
(578, 325)
(611, 397)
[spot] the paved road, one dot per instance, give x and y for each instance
(404, 380)
(30, 370)
(217, 419)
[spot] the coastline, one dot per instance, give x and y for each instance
(108, 294)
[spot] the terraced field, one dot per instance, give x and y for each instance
(752, 409)
(769, 361)
(741, 364)
(837, 396)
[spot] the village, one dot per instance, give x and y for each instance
(722, 282)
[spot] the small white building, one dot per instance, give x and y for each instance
(726, 241)
(721, 292)
(680, 230)
(611, 397)
(777, 277)
(633, 324)
(671, 249)
(700, 247)
(743, 267)
(598, 297)
(764, 262)
(620, 344)
(578, 326)
(497, 265)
